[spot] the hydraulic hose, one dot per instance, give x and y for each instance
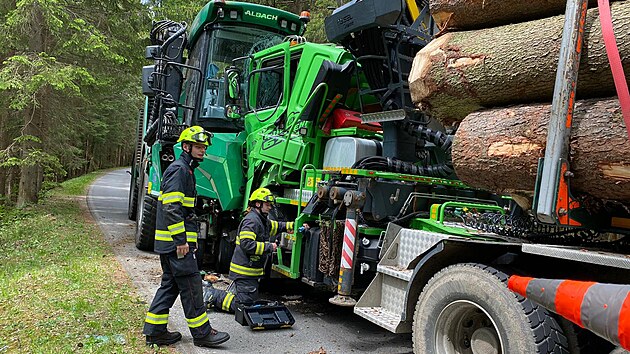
(441, 140)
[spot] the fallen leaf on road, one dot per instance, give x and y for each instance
(320, 351)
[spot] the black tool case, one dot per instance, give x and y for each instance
(264, 314)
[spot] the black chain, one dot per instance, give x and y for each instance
(527, 228)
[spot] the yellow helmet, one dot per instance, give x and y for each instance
(195, 134)
(263, 195)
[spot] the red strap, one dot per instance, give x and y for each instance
(615, 61)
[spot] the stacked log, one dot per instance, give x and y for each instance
(504, 159)
(462, 72)
(496, 84)
(475, 14)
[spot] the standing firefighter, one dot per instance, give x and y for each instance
(175, 241)
(252, 247)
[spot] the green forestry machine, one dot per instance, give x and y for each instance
(186, 86)
(332, 131)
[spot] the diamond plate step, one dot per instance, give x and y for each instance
(384, 300)
(384, 318)
(396, 272)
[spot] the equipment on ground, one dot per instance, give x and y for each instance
(264, 314)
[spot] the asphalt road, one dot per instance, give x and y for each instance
(318, 324)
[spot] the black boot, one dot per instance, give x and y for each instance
(166, 338)
(214, 338)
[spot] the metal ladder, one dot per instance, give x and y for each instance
(384, 301)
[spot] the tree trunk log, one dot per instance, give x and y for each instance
(28, 190)
(4, 142)
(462, 72)
(498, 149)
(475, 14)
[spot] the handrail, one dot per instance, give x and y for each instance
(281, 179)
(304, 168)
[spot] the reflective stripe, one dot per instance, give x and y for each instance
(171, 197)
(260, 248)
(155, 319)
(189, 202)
(191, 236)
(238, 240)
(290, 226)
(274, 228)
(177, 228)
(163, 235)
(569, 297)
(247, 234)
(197, 321)
(238, 269)
(227, 301)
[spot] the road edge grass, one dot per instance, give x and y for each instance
(61, 287)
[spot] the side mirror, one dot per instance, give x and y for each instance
(233, 84)
(147, 80)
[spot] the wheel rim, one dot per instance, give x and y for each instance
(463, 327)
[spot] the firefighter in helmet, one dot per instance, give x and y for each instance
(252, 247)
(176, 242)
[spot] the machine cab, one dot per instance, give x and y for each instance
(222, 32)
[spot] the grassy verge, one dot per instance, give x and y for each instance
(61, 288)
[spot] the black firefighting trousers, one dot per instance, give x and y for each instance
(180, 277)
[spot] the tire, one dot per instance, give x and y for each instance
(200, 253)
(145, 226)
(132, 208)
(583, 341)
(224, 256)
(467, 308)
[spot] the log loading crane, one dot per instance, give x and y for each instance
(332, 131)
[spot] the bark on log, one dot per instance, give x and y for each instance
(462, 72)
(498, 149)
(475, 14)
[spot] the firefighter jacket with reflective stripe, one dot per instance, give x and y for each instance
(174, 224)
(252, 244)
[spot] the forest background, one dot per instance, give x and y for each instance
(70, 90)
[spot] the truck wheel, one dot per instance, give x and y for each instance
(132, 208)
(200, 253)
(582, 340)
(145, 226)
(467, 308)
(224, 256)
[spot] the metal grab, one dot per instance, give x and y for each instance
(553, 197)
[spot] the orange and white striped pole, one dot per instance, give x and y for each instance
(604, 309)
(353, 201)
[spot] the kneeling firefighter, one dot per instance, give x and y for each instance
(252, 248)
